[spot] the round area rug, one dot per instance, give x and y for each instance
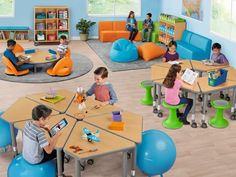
(81, 66)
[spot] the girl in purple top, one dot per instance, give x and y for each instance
(171, 54)
(172, 84)
(218, 57)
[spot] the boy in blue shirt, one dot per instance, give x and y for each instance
(16, 61)
(148, 25)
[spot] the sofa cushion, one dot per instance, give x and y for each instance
(149, 51)
(199, 41)
(186, 36)
(105, 25)
(107, 36)
(119, 25)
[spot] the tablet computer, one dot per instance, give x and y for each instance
(58, 127)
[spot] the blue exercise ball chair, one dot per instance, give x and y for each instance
(156, 154)
(5, 133)
(20, 168)
(123, 51)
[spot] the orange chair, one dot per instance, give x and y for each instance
(62, 68)
(18, 49)
(68, 53)
(10, 68)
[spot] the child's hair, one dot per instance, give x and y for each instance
(40, 111)
(63, 37)
(171, 76)
(101, 71)
(149, 14)
(171, 43)
(130, 13)
(216, 46)
(11, 42)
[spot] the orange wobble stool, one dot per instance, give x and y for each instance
(18, 49)
(11, 69)
(62, 68)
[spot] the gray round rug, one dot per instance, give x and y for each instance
(81, 66)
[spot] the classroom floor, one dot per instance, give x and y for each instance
(200, 152)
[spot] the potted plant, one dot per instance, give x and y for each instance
(83, 26)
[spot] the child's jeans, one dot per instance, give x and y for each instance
(133, 32)
(189, 103)
(53, 155)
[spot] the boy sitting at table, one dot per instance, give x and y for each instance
(36, 147)
(218, 57)
(62, 48)
(19, 62)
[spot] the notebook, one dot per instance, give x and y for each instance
(54, 100)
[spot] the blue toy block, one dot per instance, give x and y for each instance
(116, 116)
(29, 51)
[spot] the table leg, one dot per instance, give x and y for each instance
(35, 69)
(204, 125)
(160, 114)
(59, 163)
(13, 139)
(194, 124)
(133, 163)
(233, 114)
(125, 163)
(77, 168)
(155, 98)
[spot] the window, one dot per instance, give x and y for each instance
(223, 18)
(6, 8)
(113, 7)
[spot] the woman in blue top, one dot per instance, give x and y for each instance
(131, 25)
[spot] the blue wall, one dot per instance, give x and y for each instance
(201, 27)
(24, 10)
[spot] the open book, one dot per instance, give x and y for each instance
(174, 62)
(189, 76)
(208, 62)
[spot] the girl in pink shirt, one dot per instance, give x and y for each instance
(173, 83)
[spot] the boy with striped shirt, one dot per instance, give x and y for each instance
(36, 147)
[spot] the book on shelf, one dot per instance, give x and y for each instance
(12, 35)
(189, 76)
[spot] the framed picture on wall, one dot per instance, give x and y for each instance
(193, 9)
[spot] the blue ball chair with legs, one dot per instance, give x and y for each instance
(156, 154)
(123, 51)
(21, 168)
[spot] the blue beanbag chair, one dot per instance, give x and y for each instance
(123, 51)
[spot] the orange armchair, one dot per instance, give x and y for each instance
(18, 49)
(62, 68)
(10, 68)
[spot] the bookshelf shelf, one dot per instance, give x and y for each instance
(171, 28)
(18, 33)
(50, 22)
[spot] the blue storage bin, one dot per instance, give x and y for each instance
(219, 80)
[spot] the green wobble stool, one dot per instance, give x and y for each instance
(218, 121)
(172, 122)
(147, 99)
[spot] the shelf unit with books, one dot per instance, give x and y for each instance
(18, 33)
(50, 22)
(171, 28)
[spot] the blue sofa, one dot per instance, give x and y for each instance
(123, 51)
(194, 46)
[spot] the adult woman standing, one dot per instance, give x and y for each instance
(131, 25)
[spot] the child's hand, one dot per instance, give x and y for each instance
(46, 127)
(58, 134)
(104, 103)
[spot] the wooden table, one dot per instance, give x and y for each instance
(183, 63)
(231, 75)
(109, 143)
(200, 67)
(61, 106)
(38, 58)
(63, 138)
(158, 72)
(206, 89)
(19, 111)
(133, 125)
(91, 110)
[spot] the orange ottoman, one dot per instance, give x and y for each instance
(149, 51)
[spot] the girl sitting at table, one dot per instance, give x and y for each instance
(172, 84)
(171, 54)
